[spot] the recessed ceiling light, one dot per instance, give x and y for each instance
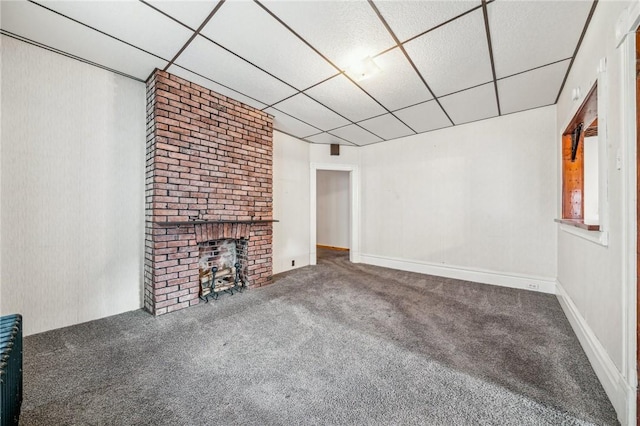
(363, 69)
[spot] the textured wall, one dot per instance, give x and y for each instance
(591, 273)
(290, 202)
(208, 157)
(594, 276)
(72, 214)
(481, 196)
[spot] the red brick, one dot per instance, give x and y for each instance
(206, 155)
(177, 306)
(189, 296)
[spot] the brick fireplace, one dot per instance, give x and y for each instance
(208, 179)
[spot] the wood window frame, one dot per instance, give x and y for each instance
(573, 170)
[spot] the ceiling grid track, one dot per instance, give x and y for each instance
(296, 34)
(378, 102)
(337, 137)
(320, 133)
(448, 21)
(220, 84)
(474, 121)
(300, 91)
(68, 55)
(406, 54)
(485, 14)
(303, 90)
(302, 121)
(534, 68)
(198, 74)
(323, 57)
(282, 81)
(167, 15)
(336, 112)
(575, 52)
(475, 86)
(195, 34)
(353, 128)
(248, 61)
(206, 21)
(97, 30)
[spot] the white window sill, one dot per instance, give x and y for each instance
(597, 237)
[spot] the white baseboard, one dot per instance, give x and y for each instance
(284, 264)
(522, 281)
(621, 393)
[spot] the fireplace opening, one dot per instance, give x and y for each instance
(222, 267)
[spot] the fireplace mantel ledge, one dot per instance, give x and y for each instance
(205, 222)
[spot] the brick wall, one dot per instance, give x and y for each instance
(208, 157)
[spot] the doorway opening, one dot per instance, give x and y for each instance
(334, 210)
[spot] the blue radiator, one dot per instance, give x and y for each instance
(10, 369)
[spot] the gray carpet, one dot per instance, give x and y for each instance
(334, 343)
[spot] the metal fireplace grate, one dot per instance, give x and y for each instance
(222, 267)
(216, 281)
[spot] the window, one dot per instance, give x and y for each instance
(580, 167)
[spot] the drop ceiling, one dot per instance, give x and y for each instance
(441, 63)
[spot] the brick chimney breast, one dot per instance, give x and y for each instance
(209, 158)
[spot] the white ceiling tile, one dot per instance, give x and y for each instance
(356, 134)
(528, 34)
(213, 62)
(129, 21)
(471, 105)
(276, 49)
(310, 111)
(387, 127)
(326, 138)
(344, 31)
(398, 84)
(424, 117)
(50, 29)
(288, 124)
(225, 91)
(409, 18)
(454, 56)
(344, 97)
(531, 89)
(191, 13)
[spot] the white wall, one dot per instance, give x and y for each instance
(591, 276)
(475, 201)
(321, 154)
(72, 182)
(333, 203)
(290, 202)
(1, 40)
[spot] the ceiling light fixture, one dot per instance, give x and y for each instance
(363, 69)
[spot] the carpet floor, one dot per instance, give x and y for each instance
(336, 343)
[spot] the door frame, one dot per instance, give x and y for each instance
(627, 160)
(354, 198)
(632, 184)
